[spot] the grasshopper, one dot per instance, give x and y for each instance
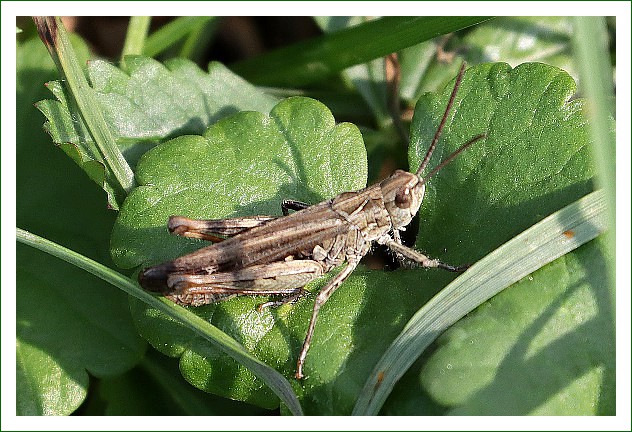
(278, 256)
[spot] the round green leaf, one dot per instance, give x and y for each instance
(243, 165)
(534, 161)
(520, 39)
(513, 40)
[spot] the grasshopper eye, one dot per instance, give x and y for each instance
(403, 198)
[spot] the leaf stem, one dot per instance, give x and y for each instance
(136, 35)
(171, 33)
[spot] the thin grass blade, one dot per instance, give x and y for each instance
(554, 236)
(219, 339)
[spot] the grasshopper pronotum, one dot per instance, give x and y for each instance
(265, 255)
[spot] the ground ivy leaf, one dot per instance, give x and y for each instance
(68, 324)
(520, 39)
(244, 164)
(150, 100)
(534, 161)
(155, 387)
(146, 103)
(514, 40)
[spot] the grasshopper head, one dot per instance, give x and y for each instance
(403, 193)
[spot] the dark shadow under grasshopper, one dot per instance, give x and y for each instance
(278, 256)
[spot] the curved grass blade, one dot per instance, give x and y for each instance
(54, 36)
(221, 340)
(595, 71)
(317, 58)
(172, 33)
(554, 236)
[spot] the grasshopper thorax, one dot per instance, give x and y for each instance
(403, 193)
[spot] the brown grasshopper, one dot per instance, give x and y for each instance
(278, 256)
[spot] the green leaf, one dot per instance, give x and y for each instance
(68, 322)
(244, 164)
(155, 387)
(516, 40)
(553, 355)
(534, 161)
(148, 103)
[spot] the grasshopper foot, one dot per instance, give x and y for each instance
(291, 298)
(457, 269)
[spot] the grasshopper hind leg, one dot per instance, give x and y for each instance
(284, 280)
(211, 229)
(196, 300)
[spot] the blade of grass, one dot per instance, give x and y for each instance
(593, 64)
(315, 59)
(55, 37)
(547, 240)
(171, 33)
(219, 339)
(136, 35)
(197, 42)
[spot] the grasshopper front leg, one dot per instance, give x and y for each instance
(287, 205)
(418, 257)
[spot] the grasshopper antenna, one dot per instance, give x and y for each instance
(452, 156)
(457, 84)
